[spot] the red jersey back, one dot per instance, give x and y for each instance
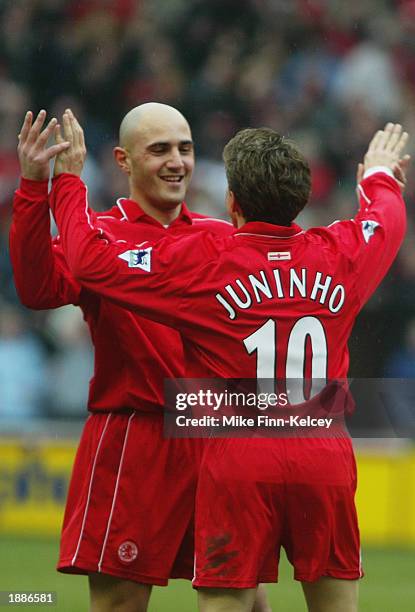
(256, 303)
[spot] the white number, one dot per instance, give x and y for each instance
(264, 342)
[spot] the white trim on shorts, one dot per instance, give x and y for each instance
(89, 490)
(115, 493)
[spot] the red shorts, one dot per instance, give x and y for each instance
(130, 507)
(256, 495)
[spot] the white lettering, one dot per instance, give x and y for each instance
(262, 286)
(226, 305)
(299, 283)
(320, 287)
(280, 292)
(236, 298)
(337, 289)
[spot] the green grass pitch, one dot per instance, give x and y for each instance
(389, 585)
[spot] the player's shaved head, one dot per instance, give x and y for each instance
(142, 119)
(156, 152)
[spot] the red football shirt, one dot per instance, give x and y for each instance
(249, 304)
(132, 355)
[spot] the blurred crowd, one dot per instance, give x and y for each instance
(327, 73)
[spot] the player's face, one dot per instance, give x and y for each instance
(161, 163)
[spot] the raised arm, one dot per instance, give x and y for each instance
(371, 240)
(148, 278)
(41, 275)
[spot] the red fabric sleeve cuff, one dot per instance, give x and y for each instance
(55, 179)
(31, 188)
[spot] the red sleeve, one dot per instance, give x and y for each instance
(371, 240)
(148, 278)
(41, 275)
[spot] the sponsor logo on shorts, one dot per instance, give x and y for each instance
(128, 551)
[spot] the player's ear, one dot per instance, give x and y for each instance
(122, 158)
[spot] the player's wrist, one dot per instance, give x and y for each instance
(375, 169)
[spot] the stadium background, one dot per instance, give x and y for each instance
(328, 73)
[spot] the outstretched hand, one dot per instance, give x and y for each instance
(399, 172)
(32, 150)
(386, 147)
(72, 158)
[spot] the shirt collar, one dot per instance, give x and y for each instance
(259, 228)
(131, 211)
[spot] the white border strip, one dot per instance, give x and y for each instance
(89, 490)
(122, 210)
(115, 493)
(88, 216)
(194, 567)
(212, 219)
(268, 236)
(364, 196)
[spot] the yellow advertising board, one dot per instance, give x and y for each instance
(386, 497)
(34, 478)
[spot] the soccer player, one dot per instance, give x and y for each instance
(259, 303)
(129, 515)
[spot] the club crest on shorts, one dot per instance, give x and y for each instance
(368, 229)
(138, 258)
(128, 551)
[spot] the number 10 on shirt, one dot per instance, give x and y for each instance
(264, 341)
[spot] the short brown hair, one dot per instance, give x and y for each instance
(268, 176)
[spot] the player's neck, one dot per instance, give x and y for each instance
(163, 216)
(238, 221)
